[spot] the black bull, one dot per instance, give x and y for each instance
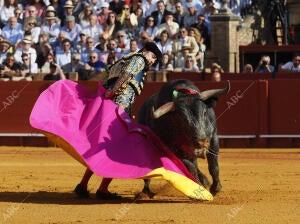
(184, 119)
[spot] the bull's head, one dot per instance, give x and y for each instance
(190, 118)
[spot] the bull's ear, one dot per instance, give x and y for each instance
(211, 102)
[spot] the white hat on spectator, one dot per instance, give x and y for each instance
(50, 8)
(68, 4)
(190, 4)
(50, 15)
(104, 5)
(27, 39)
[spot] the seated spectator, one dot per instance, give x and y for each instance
(13, 31)
(57, 45)
(80, 46)
(216, 66)
(93, 65)
(181, 57)
(51, 27)
(103, 15)
(90, 47)
(4, 48)
(7, 10)
(294, 65)
(38, 6)
(26, 48)
(203, 28)
(264, 65)
(56, 73)
(193, 32)
(165, 64)
(102, 44)
(112, 25)
(185, 40)
(190, 64)
(30, 27)
(57, 7)
(159, 14)
(85, 15)
(75, 66)
(150, 28)
(72, 29)
(248, 68)
(68, 11)
(64, 57)
(18, 13)
(116, 6)
(46, 66)
(140, 19)
(31, 12)
(26, 67)
(165, 44)
(130, 22)
(122, 42)
(43, 50)
(170, 26)
(144, 38)
(216, 74)
(10, 66)
(133, 48)
(179, 13)
(110, 55)
(93, 29)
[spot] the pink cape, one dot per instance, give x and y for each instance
(99, 134)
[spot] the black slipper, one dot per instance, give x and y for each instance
(81, 191)
(107, 196)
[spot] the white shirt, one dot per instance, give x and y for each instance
(31, 54)
(166, 48)
(148, 8)
(290, 66)
(52, 30)
(13, 35)
(94, 31)
(63, 58)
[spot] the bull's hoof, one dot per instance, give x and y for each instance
(148, 192)
(215, 188)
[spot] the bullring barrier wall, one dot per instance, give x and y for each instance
(256, 113)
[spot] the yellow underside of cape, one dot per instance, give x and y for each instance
(180, 182)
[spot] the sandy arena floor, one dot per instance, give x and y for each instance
(259, 186)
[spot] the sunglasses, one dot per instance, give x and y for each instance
(121, 36)
(126, 8)
(93, 57)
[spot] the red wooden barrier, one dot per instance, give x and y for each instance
(251, 115)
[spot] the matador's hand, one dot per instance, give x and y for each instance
(109, 94)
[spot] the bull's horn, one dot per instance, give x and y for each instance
(214, 92)
(167, 107)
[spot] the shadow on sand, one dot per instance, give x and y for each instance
(69, 198)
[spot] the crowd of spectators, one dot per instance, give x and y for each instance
(88, 36)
